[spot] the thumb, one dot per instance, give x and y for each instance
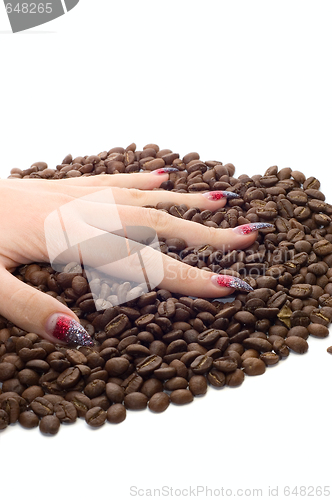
(37, 312)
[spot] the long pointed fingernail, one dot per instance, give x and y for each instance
(230, 282)
(249, 228)
(165, 170)
(218, 195)
(66, 329)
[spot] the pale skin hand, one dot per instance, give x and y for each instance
(26, 203)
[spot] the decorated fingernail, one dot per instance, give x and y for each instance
(165, 170)
(218, 195)
(230, 282)
(249, 228)
(68, 330)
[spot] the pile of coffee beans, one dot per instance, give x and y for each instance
(162, 347)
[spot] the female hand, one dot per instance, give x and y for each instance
(28, 203)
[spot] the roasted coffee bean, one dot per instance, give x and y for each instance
(201, 364)
(135, 401)
(298, 331)
(181, 396)
(176, 383)
(317, 330)
(12, 408)
(147, 343)
(198, 385)
(297, 344)
(69, 378)
(269, 358)
(7, 371)
(96, 416)
(165, 373)
(253, 366)
(114, 392)
(81, 402)
(116, 413)
(234, 379)
(226, 364)
(322, 248)
(159, 402)
(117, 325)
(133, 383)
(50, 424)
(301, 291)
(259, 344)
(117, 366)
(41, 406)
(149, 365)
(95, 388)
(65, 411)
(216, 378)
(27, 419)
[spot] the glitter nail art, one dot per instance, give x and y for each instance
(165, 170)
(218, 195)
(230, 282)
(249, 228)
(68, 330)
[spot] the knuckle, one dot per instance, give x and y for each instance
(136, 194)
(211, 233)
(157, 219)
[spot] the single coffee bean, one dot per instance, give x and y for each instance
(12, 408)
(135, 401)
(258, 344)
(95, 388)
(114, 392)
(317, 330)
(149, 365)
(116, 413)
(65, 411)
(301, 291)
(69, 378)
(176, 383)
(42, 406)
(269, 358)
(201, 364)
(50, 424)
(235, 379)
(96, 417)
(297, 344)
(198, 385)
(159, 402)
(117, 366)
(7, 371)
(226, 364)
(299, 331)
(181, 396)
(253, 366)
(27, 419)
(81, 402)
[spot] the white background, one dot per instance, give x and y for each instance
(241, 82)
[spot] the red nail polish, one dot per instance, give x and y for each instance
(67, 330)
(228, 281)
(165, 170)
(218, 195)
(249, 228)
